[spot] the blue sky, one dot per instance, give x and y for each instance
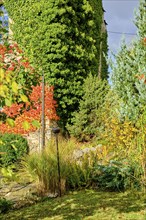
(120, 16)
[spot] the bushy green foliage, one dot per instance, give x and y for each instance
(60, 39)
(126, 132)
(129, 72)
(90, 171)
(122, 138)
(5, 205)
(8, 173)
(114, 176)
(86, 121)
(12, 148)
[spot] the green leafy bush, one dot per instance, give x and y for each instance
(114, 176)
(83, 170)
(12, 148)
(5, 205)
(8, 174)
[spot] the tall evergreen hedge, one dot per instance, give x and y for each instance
(61, 39)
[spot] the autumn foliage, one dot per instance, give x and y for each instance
(25, 117)
(12, 56)
(17, 76)
(20, 93)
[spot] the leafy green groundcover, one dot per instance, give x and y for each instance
(13, 147)
(85, 204)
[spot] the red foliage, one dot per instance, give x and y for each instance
(12, 111)
(13, 62)
(12, 58)
(28, 112)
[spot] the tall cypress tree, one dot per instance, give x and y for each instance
(60, 39)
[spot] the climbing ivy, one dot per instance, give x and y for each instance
(60, 39)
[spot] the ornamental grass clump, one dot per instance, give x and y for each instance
(42, 167)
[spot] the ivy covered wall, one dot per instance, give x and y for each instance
(62, 39)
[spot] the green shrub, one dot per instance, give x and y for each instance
(12, 148)
(8, 174)
(89, 170)
(86, 121)
(5, 205)
(114, 176)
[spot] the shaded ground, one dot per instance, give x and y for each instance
(85, 204)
